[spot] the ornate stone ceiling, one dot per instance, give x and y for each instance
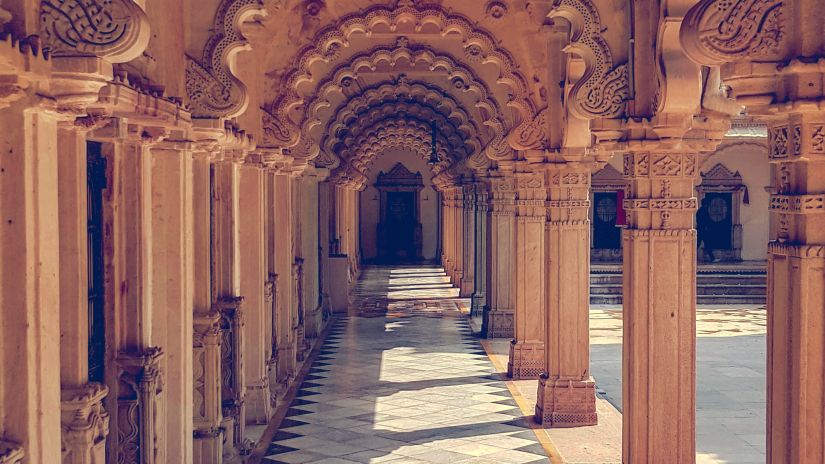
(343, 74)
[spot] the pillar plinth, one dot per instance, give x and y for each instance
(233, 384)
(500, 249)
(208, 434)
(527, 347)
(566, 392)
(85, 424)
(659, 371)
(566, 403)
(139, 406)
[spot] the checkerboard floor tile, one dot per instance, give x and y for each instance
(402, 380)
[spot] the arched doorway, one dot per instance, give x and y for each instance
(399, 231)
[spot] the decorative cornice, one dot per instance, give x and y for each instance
(115, 30)
(602, 90)
(214, 92)
(720, 31)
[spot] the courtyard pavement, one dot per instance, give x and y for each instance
(402, 379)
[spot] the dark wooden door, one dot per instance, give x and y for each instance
(605, 233)
(715, 224)
(399, 226)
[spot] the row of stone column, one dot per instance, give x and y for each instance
(209, 296)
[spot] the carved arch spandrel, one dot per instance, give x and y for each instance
(602, 90)
(213, 89)
(115, 30)
(479, 47)
(721, 31)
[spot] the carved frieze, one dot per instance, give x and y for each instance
(116, 30)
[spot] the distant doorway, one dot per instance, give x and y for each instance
(606, 236)
(399, 227)
(721, 195)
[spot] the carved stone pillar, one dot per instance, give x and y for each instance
(468, 214)
(207, 414)
(272, 363)
(566, 392)
(29, 265)
(501, 248)
(253, 268)
(659, 372)
(480, 249)
(207, 401)
(447, 259)
(287, 314)
(796, 287)
(233, 382)
(298, 291)
(140, 388)
(771, 56)
(527, 347)
(458, 236)
(85, 424)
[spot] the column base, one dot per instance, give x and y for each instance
(315, 323)
(286, 362)
(526, 360)
(566, 403)
(478, 300)
(258, 405)
(208, 446)
(498, 324)
(467, 288)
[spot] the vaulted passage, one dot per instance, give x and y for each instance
(193, 191)
(402, 379)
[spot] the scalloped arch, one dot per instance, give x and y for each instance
(479, 47)
(463, 80)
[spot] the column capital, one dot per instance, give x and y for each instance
(84, 420)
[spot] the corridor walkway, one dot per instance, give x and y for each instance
(401, 379)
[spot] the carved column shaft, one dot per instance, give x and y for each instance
(133, 404)
(447, 230)
(566, 392)
(501, 248)
(172, 285)
(458, 236)
(480, 249)
(254, 273)
(468, 239)
(226, 290)
(29, 288)
(287, 313)
(527, 347)
(659, 372)
(796, 288)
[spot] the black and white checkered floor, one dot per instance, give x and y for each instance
(403, 388)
